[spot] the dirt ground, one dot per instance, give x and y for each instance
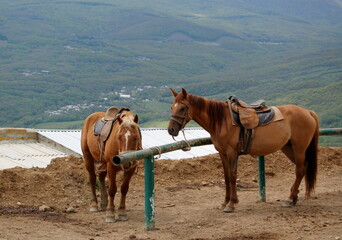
(34, 202)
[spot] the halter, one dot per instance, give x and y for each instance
(183, 117)
(130, 164)
(182, 123)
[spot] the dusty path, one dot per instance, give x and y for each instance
(188, 193)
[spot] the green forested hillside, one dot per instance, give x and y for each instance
(61, 60)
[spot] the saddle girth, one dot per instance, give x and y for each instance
(248, 117)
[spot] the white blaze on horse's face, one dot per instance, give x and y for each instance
(124, 140)
(129, 139)
(127, 134)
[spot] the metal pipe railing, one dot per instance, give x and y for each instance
(140, 154)
(148, 156)
(330, 131)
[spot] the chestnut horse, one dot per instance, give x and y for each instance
(124, 136)
(296, 135)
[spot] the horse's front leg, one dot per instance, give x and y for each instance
(230, 174)
(226, 200)
(110, 214)
(89, 163)
(122, 215)
(232, 181)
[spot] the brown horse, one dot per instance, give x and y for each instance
(124, 136)
(296, 135)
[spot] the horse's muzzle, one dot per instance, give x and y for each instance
(126, 166)
(173, 131)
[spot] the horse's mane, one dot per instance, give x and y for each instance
(215, 109)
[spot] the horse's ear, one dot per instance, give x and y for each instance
(136, 118)
(120, 119)
(174, 92)
(185, 93)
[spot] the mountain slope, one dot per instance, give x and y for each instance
(55, 54)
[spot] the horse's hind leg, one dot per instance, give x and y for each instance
(300, 173)
(103, 190)
(288, 151)
(124, 189)
(299, 159)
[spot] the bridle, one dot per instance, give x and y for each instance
(182, 123)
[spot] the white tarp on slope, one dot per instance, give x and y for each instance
(150, 137)
(26, 154)
(38, 154)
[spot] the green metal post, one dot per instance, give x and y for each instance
(149, 193)
(262, 179)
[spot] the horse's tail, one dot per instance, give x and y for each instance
(311, 159)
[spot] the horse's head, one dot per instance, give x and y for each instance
(179, 112)
(129, 135)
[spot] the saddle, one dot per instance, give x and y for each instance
(251, 115)
(103, 126)
(248, 117)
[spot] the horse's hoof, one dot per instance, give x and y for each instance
(288, 203)
(229, 209)
(110, 220)
(103, 208)
(93, 209)
(221, 207)
(122, 218)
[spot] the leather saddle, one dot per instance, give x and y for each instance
(103, 126)
(251, 115)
